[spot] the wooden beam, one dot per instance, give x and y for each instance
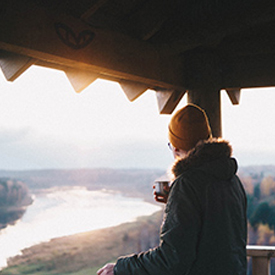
(234, 95)
(202, 69)
(255, 41)
(215, 70)
(168, 100)
(68, 42)
(133, 89)
(80, 79)
(248, 71)
(13, 65)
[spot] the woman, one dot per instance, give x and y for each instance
(204, 229)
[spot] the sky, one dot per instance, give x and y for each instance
(45, 124)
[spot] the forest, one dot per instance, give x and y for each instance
(260, 191)
(14, 199)
(259, 184)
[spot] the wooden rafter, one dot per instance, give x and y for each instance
(168, 100)
(13, 65)
(234, 95)
(213, 31)
(80, 79)
(151, 18)
(133, 89)
(97, 5)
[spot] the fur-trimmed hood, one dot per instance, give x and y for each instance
(212, 155)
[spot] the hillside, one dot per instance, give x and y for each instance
(85, 253)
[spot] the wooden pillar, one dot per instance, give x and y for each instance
(210, 101)
(260, 266)
(261, 256)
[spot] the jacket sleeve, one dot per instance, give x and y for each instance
(178, 240)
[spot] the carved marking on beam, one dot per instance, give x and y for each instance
(168, 100)
(133, 89)
(80, 79)
(234, 95)
(71, 39)
(13, 65)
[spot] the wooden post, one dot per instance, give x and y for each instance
(261, 256)
(209, 100)
(260, 266)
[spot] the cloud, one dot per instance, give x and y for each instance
(11, 136)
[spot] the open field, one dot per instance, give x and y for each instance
(86, 252)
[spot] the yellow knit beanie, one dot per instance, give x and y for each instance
(188, 126)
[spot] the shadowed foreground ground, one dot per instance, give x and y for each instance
(84, 253)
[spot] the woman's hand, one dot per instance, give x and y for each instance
(108, 269)
(161, 197)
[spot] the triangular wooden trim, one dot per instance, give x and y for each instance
(234, 95)
(80, 79)
(133, 89)
(13, 65)
(168, 100)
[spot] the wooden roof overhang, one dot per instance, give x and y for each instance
(170, 46)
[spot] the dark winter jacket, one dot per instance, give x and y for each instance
(204, 229)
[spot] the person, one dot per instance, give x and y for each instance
(204, 228)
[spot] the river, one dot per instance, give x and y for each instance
(65, 211)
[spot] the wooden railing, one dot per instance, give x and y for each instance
(261, 256)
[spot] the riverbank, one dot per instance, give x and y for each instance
(86, 252)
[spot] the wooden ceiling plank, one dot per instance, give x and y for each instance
(77, 45)
(211, 31)
(168, 100)
(13, 65)
(234, 95)
(133, 89)
(80, 79)
(92, 10)
(153, 30)
(151, 17)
